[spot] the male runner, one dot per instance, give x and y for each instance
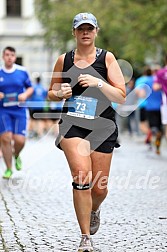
(15, 87)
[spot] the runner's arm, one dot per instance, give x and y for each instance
(157, 86)
(24, 96)
(116, 91)
(58, 90)
(1, 95)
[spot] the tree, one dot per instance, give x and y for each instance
(132, 29)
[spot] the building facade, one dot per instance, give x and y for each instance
(20, 29)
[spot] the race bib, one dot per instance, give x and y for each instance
(83, 107)
(10, 100)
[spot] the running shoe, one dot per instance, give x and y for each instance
(157, 145)
(18, 163)
(148, 137)
(7, 174)
(94, 221)
(85, 244)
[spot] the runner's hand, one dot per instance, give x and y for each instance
(87, 80)
(66, 91)
(22, 97)
(1, 95)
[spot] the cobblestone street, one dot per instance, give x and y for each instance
(36, 209)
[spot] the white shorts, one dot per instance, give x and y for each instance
(164, 109)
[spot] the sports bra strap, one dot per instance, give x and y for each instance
(98, 52)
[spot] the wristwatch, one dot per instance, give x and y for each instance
(100, 84)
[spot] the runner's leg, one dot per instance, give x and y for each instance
(100, 172)
(19, 142)
(80, 166)
(6, 146)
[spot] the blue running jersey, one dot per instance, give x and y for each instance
(12, 83)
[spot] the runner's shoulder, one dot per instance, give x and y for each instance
(19, 67)
(110, 57)
(61, 58)
(59, 63)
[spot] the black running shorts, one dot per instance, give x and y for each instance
(101, 139)
(154, 119)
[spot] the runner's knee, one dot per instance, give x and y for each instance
(99, 190)
(82, 180)
(19, 140)
(82, 177)
(6, 138)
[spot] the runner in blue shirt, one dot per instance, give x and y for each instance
(15, 88)
(37, 125)
(142, 101)
(153, 105)
(152, 108)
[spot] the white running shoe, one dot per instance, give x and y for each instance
(85, 244)
(94, 221)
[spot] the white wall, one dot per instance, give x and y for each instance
(27, 8)
(23, 33)
(2, 8)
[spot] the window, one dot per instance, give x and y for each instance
(19, 61)
(13, 8)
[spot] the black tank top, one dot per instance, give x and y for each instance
(97, 69)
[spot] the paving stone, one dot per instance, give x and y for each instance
(36, 208)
